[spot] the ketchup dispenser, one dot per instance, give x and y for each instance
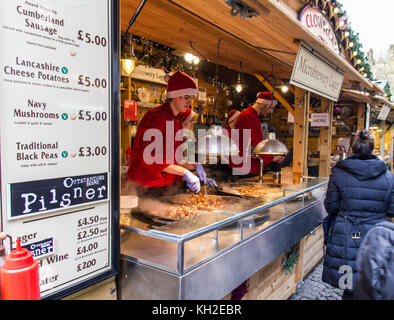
(19, 275)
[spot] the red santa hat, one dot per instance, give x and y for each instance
(232, 116)
(266, 98)
(186, 116)
(180, 84)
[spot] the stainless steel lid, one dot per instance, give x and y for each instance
(216, 143)
(272, 146)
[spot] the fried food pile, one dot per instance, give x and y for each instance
(193, 205)
(255, 191)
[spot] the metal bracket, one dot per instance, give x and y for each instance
(238, 7)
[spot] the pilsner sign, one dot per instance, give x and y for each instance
(313, 73)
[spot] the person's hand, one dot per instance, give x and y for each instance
(193, 183)
(211, 183)
(201, 174)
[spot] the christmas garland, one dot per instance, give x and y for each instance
(290, 260)
(156, 55)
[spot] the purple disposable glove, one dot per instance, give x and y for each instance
(193, 183)
(201, 174)
(211, 183)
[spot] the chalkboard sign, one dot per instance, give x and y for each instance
(41, 196)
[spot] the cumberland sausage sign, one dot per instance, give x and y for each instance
(313, 73)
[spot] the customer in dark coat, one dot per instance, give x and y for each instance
(375, 262)
(359, 195)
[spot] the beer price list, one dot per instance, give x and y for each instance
(55, 135)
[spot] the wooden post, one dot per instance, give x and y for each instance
(301, 125)
(326, 139)
(299, 269)
(361, 116)
(381, 149)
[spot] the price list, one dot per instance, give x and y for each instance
(55, 135)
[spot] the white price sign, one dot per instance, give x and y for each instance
(55, 135)
(320, 119)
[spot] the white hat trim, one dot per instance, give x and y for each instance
(265, 101)
(182, 92)
(235, 115)
(190, 116)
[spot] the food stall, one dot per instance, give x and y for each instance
(232, 234)
(203, 256)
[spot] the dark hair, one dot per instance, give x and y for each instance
(363, 143)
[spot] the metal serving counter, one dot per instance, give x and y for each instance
(207, 256)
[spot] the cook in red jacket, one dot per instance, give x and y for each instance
(157, 155)
(250, 134)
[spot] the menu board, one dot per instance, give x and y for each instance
(55, 135)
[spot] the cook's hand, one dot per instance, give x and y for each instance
(201, 174)
(193, 183)
(211, 183)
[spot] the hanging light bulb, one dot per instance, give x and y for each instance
(128, 65)
(284, 88)
(347, 33)
(189, 57)
(336, 10)
(355, 53)
(358, 61)
(351, 44)
(129, 59)
(238, 88)
(196, 60)
(365, 75)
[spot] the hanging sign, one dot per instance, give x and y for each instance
(316, 22)
(313, 73)
(55, 70)
(383, 114)
(320, 119)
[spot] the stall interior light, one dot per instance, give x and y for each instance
(336, 10)
(192, 58)
(128, 65)
(358, 61)
(351, 44)
(284, 88)
(355, 53)
(347, 33)
(239, 88)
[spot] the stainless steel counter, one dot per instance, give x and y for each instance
(207, 256)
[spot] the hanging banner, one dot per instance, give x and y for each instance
(383, 114)
(313, 73)
(55, 135)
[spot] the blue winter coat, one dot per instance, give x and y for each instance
(375, 262)
(359, 195)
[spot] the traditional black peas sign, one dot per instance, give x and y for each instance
(34, 197)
